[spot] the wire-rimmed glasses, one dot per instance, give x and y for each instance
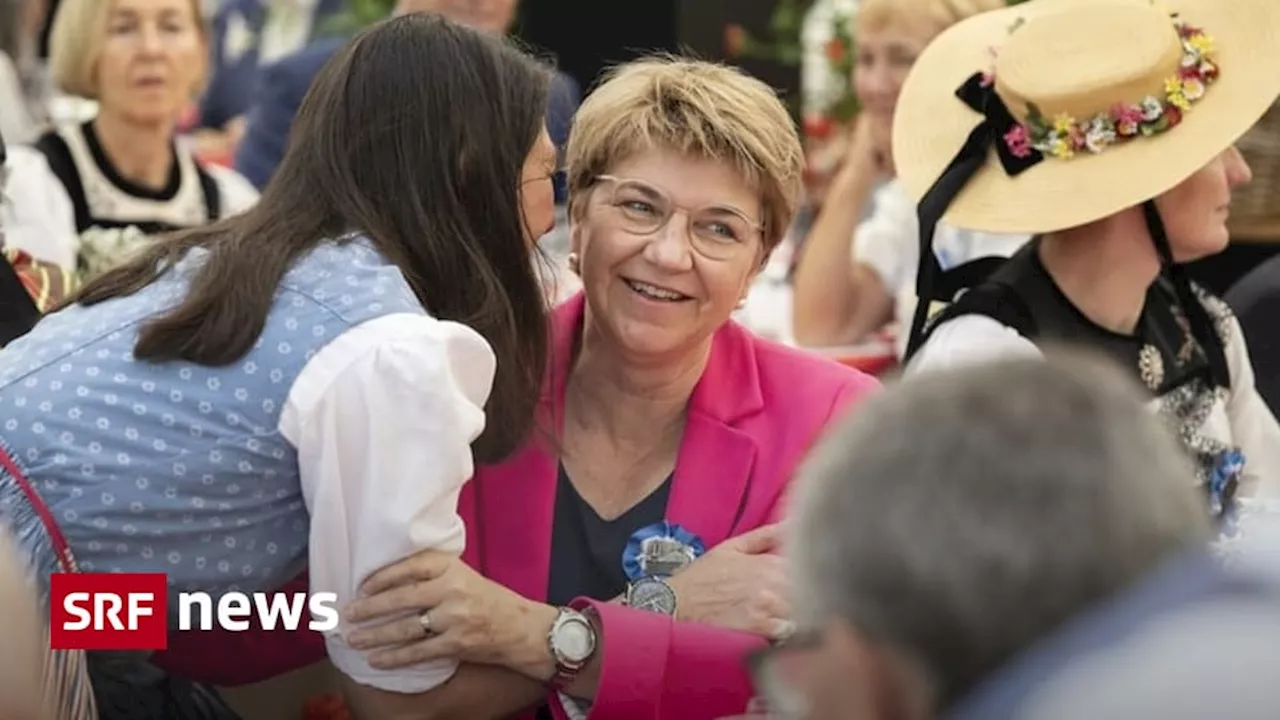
(716, 232)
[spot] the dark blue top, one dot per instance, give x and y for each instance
(281, 89)
(233, 80)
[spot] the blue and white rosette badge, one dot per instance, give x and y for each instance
(1224, 480)
(659, 550)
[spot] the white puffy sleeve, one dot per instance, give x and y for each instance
(888, 241)
(969, 340)
(235, 191)
(1253, 427)
(36, 212)
(383, 419)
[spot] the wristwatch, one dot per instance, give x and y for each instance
(572, 641)
(652, 593)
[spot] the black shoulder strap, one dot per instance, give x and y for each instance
(983, 286)
(994, 299)
(212, 198)
(965, 276)
(18, 312)
(58, 155)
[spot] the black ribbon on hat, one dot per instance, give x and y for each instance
(1203, 328)
(932, 283)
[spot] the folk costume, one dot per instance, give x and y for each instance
(1054, 114)
(114, 216)
(339, 443)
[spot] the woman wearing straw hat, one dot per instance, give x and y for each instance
(1105, 128)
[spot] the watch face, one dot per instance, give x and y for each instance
(575, 640)
(654, 596)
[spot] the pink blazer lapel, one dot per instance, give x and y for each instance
(714, 467)
(515, 501)
(515, 505)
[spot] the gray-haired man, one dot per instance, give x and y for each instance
(953, 525)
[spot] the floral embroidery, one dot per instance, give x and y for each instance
(102, 249)
(1064, 136)
(1018, 141)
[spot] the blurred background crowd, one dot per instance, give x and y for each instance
(101, 158)
(247, 63)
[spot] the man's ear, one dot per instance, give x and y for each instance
(893, 686)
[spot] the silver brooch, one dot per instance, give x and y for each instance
(1151, 367)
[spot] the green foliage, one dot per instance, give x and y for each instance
(782, 44)
(357, 15)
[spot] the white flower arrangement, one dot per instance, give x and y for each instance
(102, 249)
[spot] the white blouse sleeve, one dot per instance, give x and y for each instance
(888, 240)
(1253, 427)
(383, 419)
(970, 339)
(38, 216)
(235, 191)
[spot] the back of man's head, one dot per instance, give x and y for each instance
(959, 517)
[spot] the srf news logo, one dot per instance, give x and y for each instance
(130, 611)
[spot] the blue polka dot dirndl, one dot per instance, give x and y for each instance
(81, 685)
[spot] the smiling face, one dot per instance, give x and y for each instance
(887, 48)
(1196, 210)
(668, 246)
(153, 58)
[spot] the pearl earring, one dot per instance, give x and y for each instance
(742, 302)
(572, 262)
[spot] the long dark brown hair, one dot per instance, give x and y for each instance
(415, 134)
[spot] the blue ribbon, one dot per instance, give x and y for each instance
(633, 555)
(1227, 469)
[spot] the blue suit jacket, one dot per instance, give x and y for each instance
(232, 79)
(281, 89)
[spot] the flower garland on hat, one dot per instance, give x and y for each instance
(1063, 136)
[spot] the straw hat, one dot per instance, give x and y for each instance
(1086, 60)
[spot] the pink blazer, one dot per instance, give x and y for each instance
(757, 409)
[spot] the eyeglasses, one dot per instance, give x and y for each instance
(778, 670)
(716, 232)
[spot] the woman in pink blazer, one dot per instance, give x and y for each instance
(621, 564)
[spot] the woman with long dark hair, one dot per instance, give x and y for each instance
(307, 383)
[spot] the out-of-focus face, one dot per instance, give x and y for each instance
(537, 190)
(885, 53)
(153, 58)
(1196, 210)
(832, 673)
(668, 246)
(494, 16)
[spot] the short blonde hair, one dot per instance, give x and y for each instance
(935, 14)
(696, 108)
(76, 38)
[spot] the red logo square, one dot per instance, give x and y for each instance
(108, 611)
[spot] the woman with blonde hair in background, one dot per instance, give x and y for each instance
(857, 272)
(1108, 129)
(114, 181)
